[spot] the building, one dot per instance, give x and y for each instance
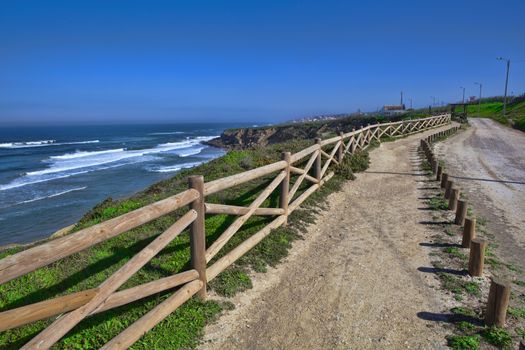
(392, 110)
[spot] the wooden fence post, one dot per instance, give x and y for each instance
(469, 232)
(477, 257)
(285, 186)
(498, 302)
(448, 188)
(197, 233)
(444, 179)
(453, 200)
(317, 165)
(340, 151)
(434, 165)
(439, 173)
(461, 212)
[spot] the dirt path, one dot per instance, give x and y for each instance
(353, 283)
(488, 161)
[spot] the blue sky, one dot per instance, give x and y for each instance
(169, 61)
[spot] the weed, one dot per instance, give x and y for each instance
(455, 252)
(463, 342)
(465, 326)
(437, 203)
(520, 332)
(497, 336)
(519, 283)
(517, 312)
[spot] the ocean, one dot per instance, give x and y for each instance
(51, 176)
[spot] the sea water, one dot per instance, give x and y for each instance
(51, 176)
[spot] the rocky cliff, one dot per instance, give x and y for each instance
(244, 138)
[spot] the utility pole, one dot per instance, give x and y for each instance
(506, 84)
(479, 100)
(463, 99)
(410, 103)
(401, 98)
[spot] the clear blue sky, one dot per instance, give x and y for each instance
(168, 61)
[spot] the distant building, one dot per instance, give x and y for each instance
(392, 110)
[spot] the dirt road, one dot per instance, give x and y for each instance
(353, 283)
(488, 161)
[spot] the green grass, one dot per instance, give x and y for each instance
(437, 203)
(517, 312)
(463, 342)
(494, 110)
(183, 328)
(497, 336)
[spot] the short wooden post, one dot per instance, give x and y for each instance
(448, 188)
(340, 153)
(469, 232)
(444, 179)
(439, 173)
(461, 212)
(477, 257)
(434, 165)
(498, 302)
(197, 233)
(317, 165)
(453, 199)
(285, 186)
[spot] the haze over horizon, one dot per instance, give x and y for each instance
(90, 62)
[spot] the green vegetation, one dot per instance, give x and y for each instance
(437, 203)
(464, 342)
(183, 328)
(493, 108)
(497, 336)
(517, 312)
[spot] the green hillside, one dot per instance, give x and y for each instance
(494, 110)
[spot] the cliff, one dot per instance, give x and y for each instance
(246, 138)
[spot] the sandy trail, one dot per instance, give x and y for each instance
(353, 283)
(488, 162)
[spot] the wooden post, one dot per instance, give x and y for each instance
(469, 232)
(448, 188)
(498, 302)
(444, 179)
(439, 173)
(522, 345)
(317, 165)
(285, 186)
(340, 153)
(477, 257)
(461, 213)
(453, 200)
(197, 233)
(434, 165)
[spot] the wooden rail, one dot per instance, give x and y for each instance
(77, 306)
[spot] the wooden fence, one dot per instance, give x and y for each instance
(75, 307)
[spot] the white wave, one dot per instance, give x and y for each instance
(172, 168)
(52, 195)
(43, 143)
(71, 164)
(80, 154)
(189, 152)
(167, 133)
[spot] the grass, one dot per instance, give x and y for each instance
(183, 328)
(463, 342)
(497, 336)
(517, 312)
(494, 110)
(437, 203)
